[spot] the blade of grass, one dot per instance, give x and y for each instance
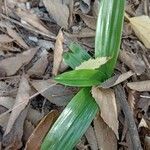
(72, 123)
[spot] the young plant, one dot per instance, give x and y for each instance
(79, 113)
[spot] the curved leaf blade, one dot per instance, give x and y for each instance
(81, 78)
(72, 123)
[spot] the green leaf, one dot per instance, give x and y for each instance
(72, 123)
(76, 56)
(108, 32)
(81, 78)
(93, 63)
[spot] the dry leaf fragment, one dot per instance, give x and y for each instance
(141, 27)
(133, 61)
(105, 98)
(58, 52)
(7, 102)
(139, 86)
(12, 33)
(40, 65)
(59, 11)
(55, 93)
(5, 38)
(33, 20)
(91, 138)
(85, 6)
(89, 20)
(21, 102)
(35, 140)
(12, 65)
(147, 143)
(117, 79)
(105, 136)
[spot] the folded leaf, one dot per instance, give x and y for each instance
(81, 78)
(76, 56)
(72, 123)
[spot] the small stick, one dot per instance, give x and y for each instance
(120, 94)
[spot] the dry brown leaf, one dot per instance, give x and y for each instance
(58, 52)
(89, 20)
(34, 116)
(33, 20)
(13, 140)
(108, 108)
(55, 93)
(28, 130)
(91, 138)
(117, 79)
(41, 130)
(7, 102)
(141, 27)
(133, 61)
(105, 136)
(5, 38)
(12, 65)
(21, 102)
(12, 33)
(40, 65)
(139, 86)
(59, 11)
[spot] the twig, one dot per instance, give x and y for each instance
(120, 94)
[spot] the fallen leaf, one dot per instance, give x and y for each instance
(141, 27)
(21, 102)
(105, 136)
(55, 93)
(59, 11)
(108, 108)
(7, 102)
(133, 61)
(5, 38)
(58, 53)
(89, 20)
(91, 138)
(28, 130)
(33, 20)
(117, 79)
(34, 116)
(40, 65)
(13, 140)
(12, 65)
(93, 63)
(36, 138)
(139, 86)
(12, 33)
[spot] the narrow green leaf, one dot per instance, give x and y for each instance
(108, 32)
(72, 123)
(81, 78)
(76, 56)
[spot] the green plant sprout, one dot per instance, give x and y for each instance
(81, 110)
